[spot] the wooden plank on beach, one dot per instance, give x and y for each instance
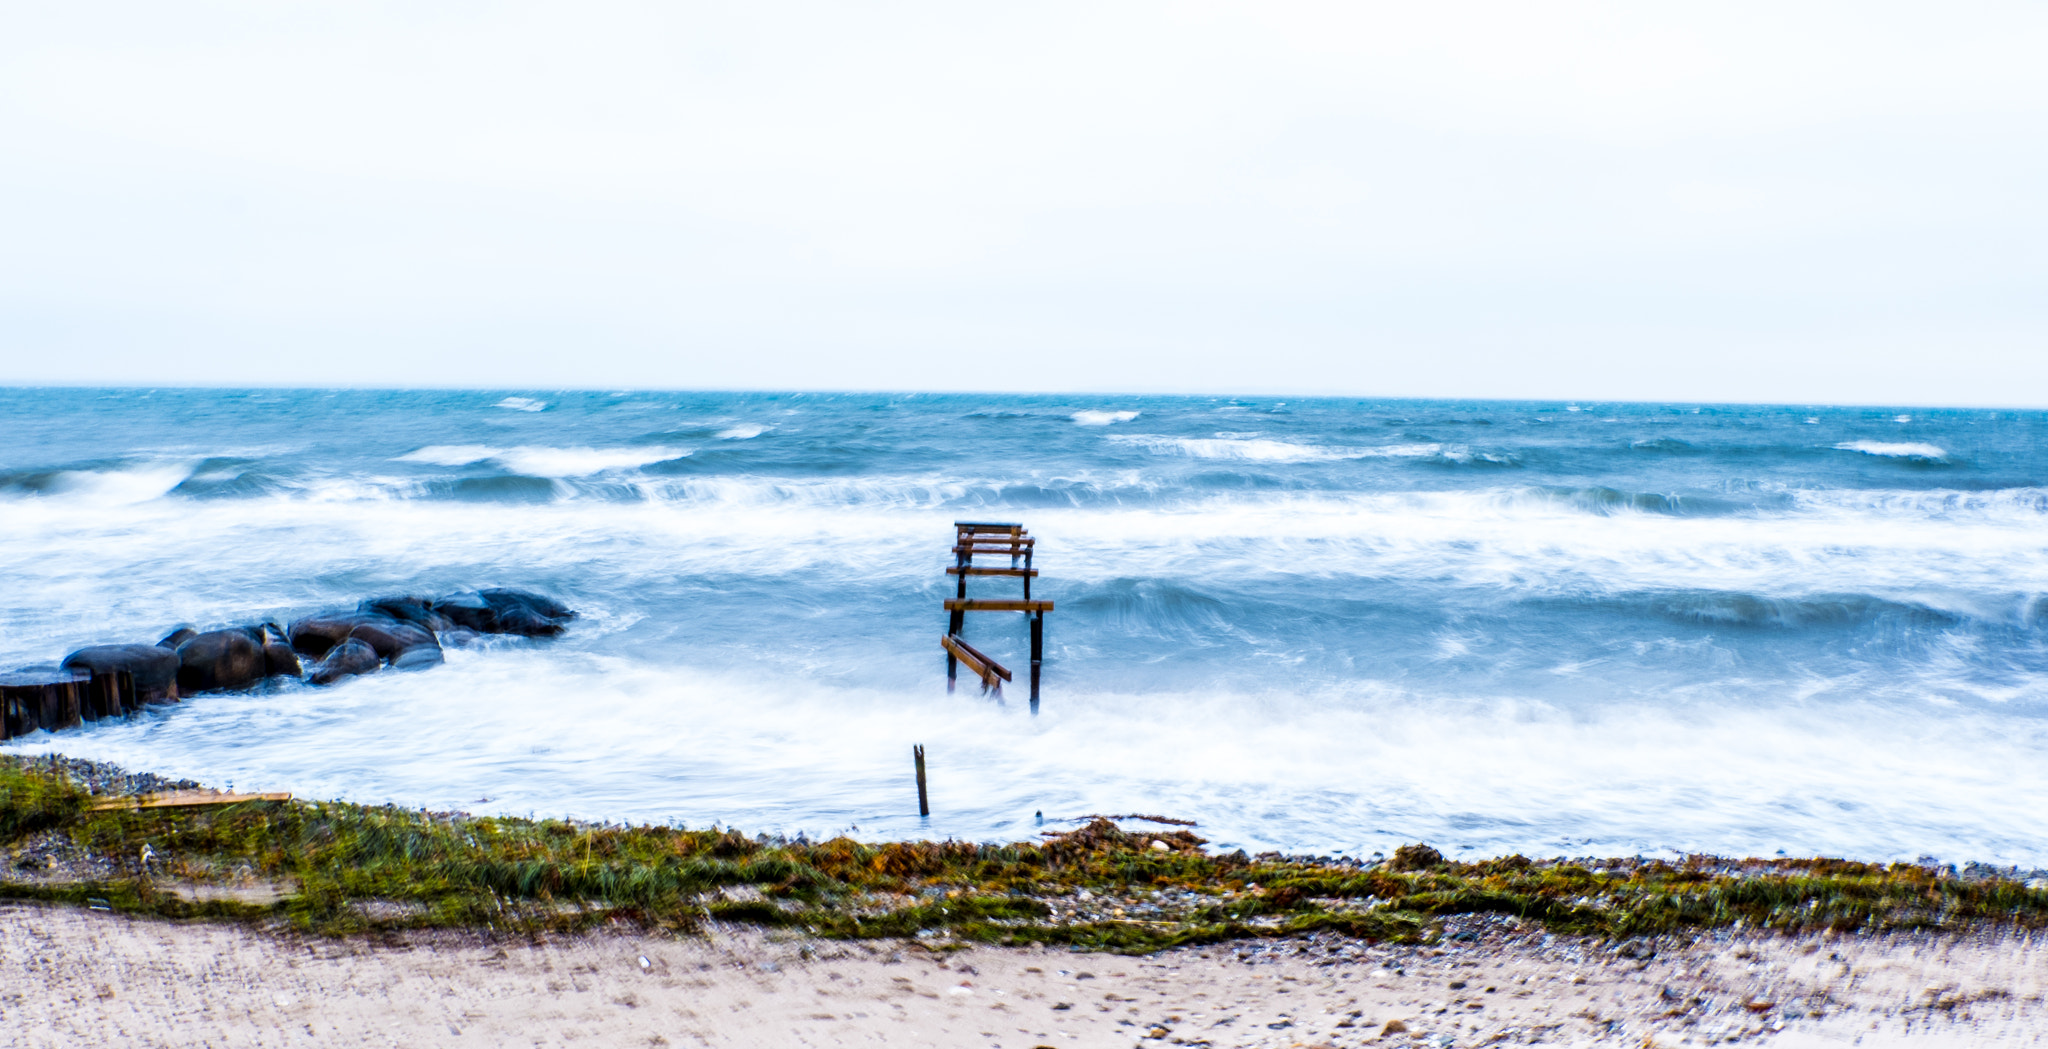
(956, 570)
(988, 527)
(180, 800)
(984, 604)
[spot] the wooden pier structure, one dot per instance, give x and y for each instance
(991, 540)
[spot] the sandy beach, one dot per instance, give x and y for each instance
(84, 978)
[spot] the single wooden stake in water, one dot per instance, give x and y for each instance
(924, 805)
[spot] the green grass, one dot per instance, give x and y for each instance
(353, 868)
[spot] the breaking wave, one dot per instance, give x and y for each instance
(1919, 450)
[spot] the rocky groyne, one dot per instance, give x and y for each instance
(104, 681)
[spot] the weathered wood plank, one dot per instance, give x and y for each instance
(181, 799)
(972, 655)
(970, 570)
(991, 674)
(985, 604)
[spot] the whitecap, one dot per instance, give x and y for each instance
(1896, 449)
(1231, 447)
(542, 461)
(1246, 446)
(743, 432)
(122, 486)
(449, 454)
(1092, 417)
(579, 462)
(522, 404)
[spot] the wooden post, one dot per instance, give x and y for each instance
(954, 622)
(110, 694)
(924, 805)
(41, 698)
(1037, 654)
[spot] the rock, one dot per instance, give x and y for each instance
(316, 634)
(278, 657)
(221, 659)
(505, 611)
(153, 669)
(418, 611)
(1160, 846)
(1393, 1027)
(177, 637)
(1416, 857)
(419, 657)
(389, 637)
(350, 658)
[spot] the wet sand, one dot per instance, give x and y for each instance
(86, 978)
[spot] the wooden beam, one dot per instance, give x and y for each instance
(973, 656)
(983, 604)
(991, 673)
(956, 570)
(988, 526)
(180, 799)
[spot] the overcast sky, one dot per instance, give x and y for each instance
(1771, 201)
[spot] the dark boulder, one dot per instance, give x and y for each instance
(468, 611)
(347, 659)
(278, 657)
(418, 611)
(390, 636)
(315, 635)
(177, 637)
(504, 611)
(538, 604)
(221, 659)
(418, 657)
(153, 668)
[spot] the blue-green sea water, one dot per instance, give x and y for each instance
(1313, 625)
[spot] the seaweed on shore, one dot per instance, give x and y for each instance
(339, 868)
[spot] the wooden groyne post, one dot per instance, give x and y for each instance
(924, 804)
(50, 699)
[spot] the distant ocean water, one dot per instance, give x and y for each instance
(1312, 625)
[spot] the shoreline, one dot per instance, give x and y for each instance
(269, 921)
(1132, 883)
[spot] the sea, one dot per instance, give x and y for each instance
(1317, 626)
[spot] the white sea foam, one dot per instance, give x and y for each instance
(117, 486)
(1253, 448)
(522, 404)
(449, 454)
(1319, 770)
(545, 462)
(743, 432)
(1092, 417)
(1895, 449)
(1232, 446)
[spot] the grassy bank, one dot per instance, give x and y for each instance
(338, 868)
